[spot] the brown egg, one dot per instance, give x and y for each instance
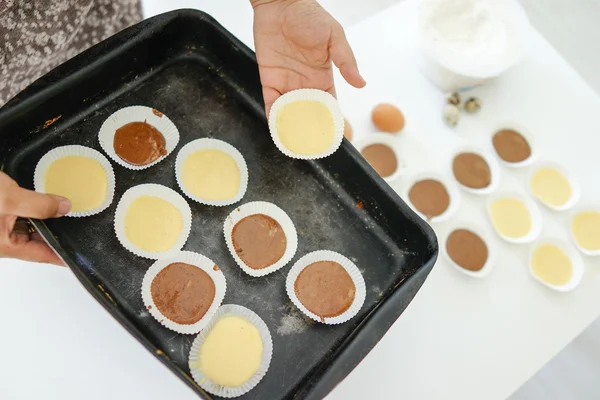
(387, 118)
(347, 130)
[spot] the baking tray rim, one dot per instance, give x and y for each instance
(354, 348)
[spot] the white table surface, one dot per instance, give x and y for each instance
(459, 339)
(463, 338)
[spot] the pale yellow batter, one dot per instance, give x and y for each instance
(305, 127)
(211, 175)
(153, 224)
(232, 352)
(80, 179)
(586, 229)
(551, 187)
(552, 265)
(511, 217)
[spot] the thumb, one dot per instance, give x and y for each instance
(29, 204)
(343, 57)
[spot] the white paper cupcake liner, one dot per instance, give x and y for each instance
(75, 150)
(163, 192)
(353, 271)
(537, 221)
(130, 114)
(308, 95)
(576, 189)
(270, 210)
(187, 257)
(194, 358)
(574, 256)
(582, 209)
(212, 144)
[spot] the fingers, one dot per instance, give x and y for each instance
(332, 92)
(53, 258)
(269, 96)
(343, 57)
(29, 204)
(34, 251)
(17, 242)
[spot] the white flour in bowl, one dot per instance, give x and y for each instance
(474, 38)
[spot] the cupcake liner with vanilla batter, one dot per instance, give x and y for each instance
(194, 357)
(165, 193)
(212, 144)
(187, 257)
(308, 95)
(82, 151)
(130, 114)
(270, 210)
(352, 270)
(537, 220)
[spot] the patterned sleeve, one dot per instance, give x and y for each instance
(38, 35)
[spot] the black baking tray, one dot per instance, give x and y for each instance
(186, 65)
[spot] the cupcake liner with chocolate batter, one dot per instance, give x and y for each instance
(380, 150)
(514, 145)
(183, 291)
(468, 248)
(333, 293)
(432, 196)
(138, 137)
(475, 170)
(261, 237)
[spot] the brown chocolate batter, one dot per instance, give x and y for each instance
(511, 146)
(472, 171)
(183, 293)
(382, 158)
(259, 241)
(430, 197)
(325, 289)
(467, 249)
(139, 143)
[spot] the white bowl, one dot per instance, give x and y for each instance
(574, 256)
(465, 66)
(453, 194)
(575, 196)
(534, 213)
(491, 161)
(490, 262)
(581, 209)
(526, 133)
(388, 139)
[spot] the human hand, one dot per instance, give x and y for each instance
(15, 239)
(296, 42)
